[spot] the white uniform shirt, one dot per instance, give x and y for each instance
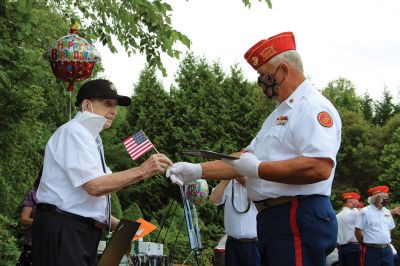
(346, 224)
(238, 225)
(71, 159)
(375, 224)
(293, 130)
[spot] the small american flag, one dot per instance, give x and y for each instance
(138, 144)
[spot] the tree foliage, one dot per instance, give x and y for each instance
(140, 26)
(385, 109)
(342, 94)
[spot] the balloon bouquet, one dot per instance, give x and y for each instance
(72, 59)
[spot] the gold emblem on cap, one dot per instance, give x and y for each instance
(112, 86)
(254, 60)
(268, 52)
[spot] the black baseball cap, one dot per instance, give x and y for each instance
(100, 89)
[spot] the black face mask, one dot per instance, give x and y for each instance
(384, 202)
(269, 84)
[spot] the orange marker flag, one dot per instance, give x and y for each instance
(144, 229)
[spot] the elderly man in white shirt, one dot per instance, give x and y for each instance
(73, 195)
(348, 247)
(240, 222)
(373, 229)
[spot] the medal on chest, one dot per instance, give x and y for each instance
(282, 120)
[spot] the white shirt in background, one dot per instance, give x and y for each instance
(375, 224)
(238, 225)
(346, 224)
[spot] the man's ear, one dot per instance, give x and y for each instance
(86, 105)
(285, 68)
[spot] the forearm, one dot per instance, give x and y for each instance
(25, 217)
(114, 222)
(218, 191)
(218, 170)
(359, 235)
(297, 171)
(26, 221)
(107, 184)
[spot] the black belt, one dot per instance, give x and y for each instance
(268, 203)
(350, 243)
(243, 240)
(376, 245)
(54, 209)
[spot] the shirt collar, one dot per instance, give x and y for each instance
(95, 135)
(298, 93)
(375, 208)
(78, 114)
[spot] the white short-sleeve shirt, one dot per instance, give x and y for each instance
(306, 124)
(375, 224)
(71, 159)
(346, 224)
(238, 225)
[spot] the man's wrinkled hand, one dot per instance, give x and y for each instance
(155, 164)
(247, 165)
(183, 173)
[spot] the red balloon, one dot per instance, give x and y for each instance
(72, 58)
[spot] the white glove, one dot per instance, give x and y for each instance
(247, 165)
(183, 173)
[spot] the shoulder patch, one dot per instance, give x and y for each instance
(325, 119)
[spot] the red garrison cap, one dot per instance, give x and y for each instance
(261, 52)
(378, 189)
(350, 195)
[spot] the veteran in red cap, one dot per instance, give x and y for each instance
(289, 164)
(373, 229)
(348, 247)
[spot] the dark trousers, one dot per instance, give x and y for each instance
(58, 240)
(349, 255)
(241, 254)
(372, 256)
(25, 259)
(299, 233)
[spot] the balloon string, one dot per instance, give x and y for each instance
(70, 104)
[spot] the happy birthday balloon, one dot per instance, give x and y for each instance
(72, 58)
(197, 191)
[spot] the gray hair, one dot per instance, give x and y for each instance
(291, 57)
(373, 198)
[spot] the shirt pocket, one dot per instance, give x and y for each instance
(373, 221)
(387, 222)
(276, 133)
(270, 142)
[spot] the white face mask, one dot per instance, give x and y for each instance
(94, 123)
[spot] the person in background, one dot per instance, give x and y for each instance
(74, 202)
(241, 248)
(348, 247)
(289, 164)
(26, 219)
(373, 229)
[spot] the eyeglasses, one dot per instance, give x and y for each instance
(265, 80)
